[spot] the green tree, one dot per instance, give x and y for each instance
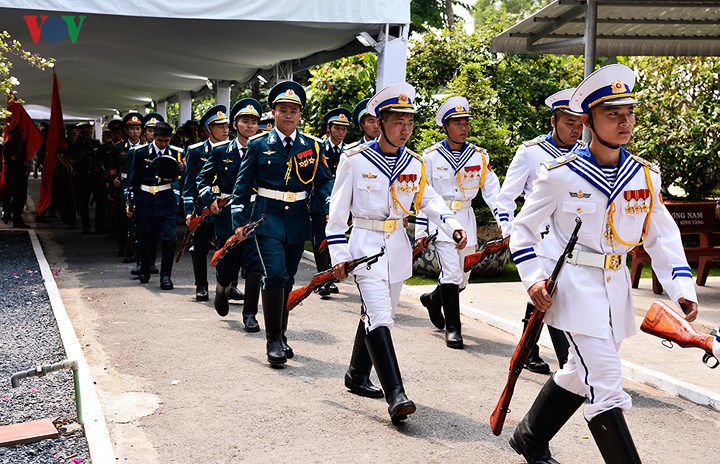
(343, 82)
(486, 11)
(679, 120)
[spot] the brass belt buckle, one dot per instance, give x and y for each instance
(456, 205)
(290, 197)
(389, 225)
(613, 262)
(154, 189)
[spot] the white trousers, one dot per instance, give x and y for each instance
(593, 370)
(379, 301)
(452, 262)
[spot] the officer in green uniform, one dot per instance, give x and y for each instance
(153, 195)
(117, 179)
(217, 179)
(284, 165)
(215, 119)
(335, 124)
(149, 122)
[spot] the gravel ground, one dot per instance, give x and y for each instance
(29, 337)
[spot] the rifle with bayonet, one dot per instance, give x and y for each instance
(492, 246)
(321, 278)
(529, 339)
(234, 241)
(196, 222)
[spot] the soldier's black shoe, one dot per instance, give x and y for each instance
(332, 287)
(289, 353)
(166, 282)
(401, 408)
(20, 225)
(137, 270)
(359, 383)
(453, 339)
(433, 302)
(154, 269)
(538, 458)
(221, 301)
(251, 324)
(235, 294)
(144, 278)
(6, 217)
(536, 364)
(323, 291)
(201, 293)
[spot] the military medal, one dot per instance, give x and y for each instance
(627, 194)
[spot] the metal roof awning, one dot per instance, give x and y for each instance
(124, 55)
(624, 27)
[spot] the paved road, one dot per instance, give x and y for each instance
(179, 384)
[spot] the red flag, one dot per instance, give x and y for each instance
(31, 136)
(55, 141)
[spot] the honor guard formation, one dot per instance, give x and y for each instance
(256, 189)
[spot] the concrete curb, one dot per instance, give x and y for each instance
(631, 371)
(96, 431)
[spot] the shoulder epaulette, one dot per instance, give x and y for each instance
(478, 149)
(560, 161)
(413, 154)
(355, 150)
(313, 137)
(140, 146)
(350, 146)
(257, 136)
(536, 141)
(176, 148)
(644, 162)
(432, 148)
(581, 143)
(220, 144)
(195, 145)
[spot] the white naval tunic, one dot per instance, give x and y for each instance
(588, 296)
(362, 188)
(521, 174)
(457, 177)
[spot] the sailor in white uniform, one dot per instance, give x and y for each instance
(617, 195)
(457, 170)
(523, 170)
(378, 183)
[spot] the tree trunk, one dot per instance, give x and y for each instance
(449, 14)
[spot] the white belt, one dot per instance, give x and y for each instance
(287, 197)
(155, 188)
(609, 262)
(389, 225)
(123, 175)
(456, 205)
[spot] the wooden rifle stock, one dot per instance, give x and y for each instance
(319, 279)
(529, 339)
(233, 241)
(196, 222)
(493, 246)
(663, 322)
(422, 244)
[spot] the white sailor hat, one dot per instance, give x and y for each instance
(454, 107)
(398, 98)
(561, 101)
(610, 85)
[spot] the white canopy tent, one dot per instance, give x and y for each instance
(131, 54)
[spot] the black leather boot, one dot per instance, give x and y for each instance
(382, 352)
(273, 301)
(143, 266)
(433, 302)
(250, 308)
(613, 438)
(285, 315)
(322, 263)
(534, 362)
(552, 408)
(451, 306)
(357, 377)
(235, 294)
(199, 264)
(166, 264)
(221, 300)
(561, 345)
